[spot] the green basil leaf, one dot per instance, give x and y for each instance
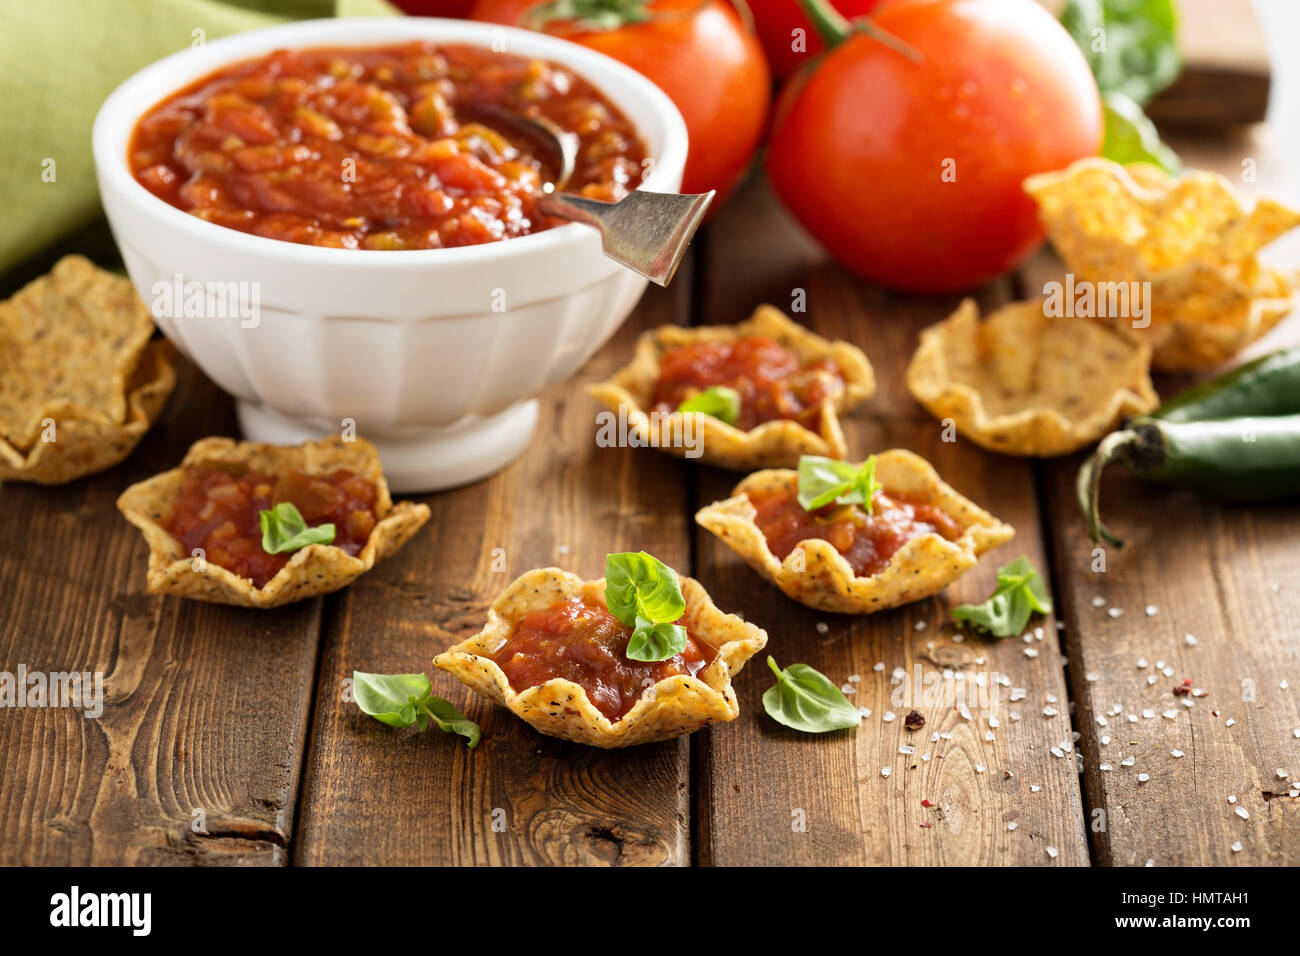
(655, 642)
(405, 700)
(803, 699)
(718, 401)
(1140, 38)
(1020, 593)
(640, 586)
(283, 529)
(1131, 137)
(825, 480)
(390, 698)
(452, 721)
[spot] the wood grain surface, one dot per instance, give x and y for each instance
(770, 793)
(1228, 576)
(241, 715)
(197, 754)
(375, 795)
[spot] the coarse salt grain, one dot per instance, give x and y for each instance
(1236, 847)
(887, 716)
(994, 722)
(1099, 601)
(1142, 662)
(907, 750)
(1190, 639)
(1232, 798)
(864, 711)
(1105, 739)
(1128, 761)
(886, 771)
(878, 666)
(1011, 825)
(1143, 777)
(1176, 753)
(855, 678)
(1152, 610)
(1242, 812)
(1050, 711)
(847, 689)
(988, 735)
(1092, 677)
(1034, 788)
(1051, 851)
(1115, 611)
(1230, 721)
(1105, 766)
(1031, 652)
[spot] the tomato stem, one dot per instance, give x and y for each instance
(834, 29)
(829, 23)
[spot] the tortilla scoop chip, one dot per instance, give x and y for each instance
(824, 579)
(315, 569)
(771, 444)
(561, 708)
(70, 342)
(1194, 238)
(1023, 383)
(79, 447)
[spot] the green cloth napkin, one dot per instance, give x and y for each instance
(61, 59)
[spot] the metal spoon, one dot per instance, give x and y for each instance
(645, 231)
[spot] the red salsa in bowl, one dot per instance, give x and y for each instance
(587, 644)
(387, 147)
(770, 379)
(218, 514)
(867, 540)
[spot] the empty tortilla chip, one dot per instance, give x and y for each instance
(561, 708)
(1023, 383)
(81, 383)
(312, 570)
(1194, 238)
(70, 341)
(822, 578)
(76, 447)
(771, 443)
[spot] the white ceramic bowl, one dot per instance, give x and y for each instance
(436, 355)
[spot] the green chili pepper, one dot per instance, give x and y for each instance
(1267, 386)
(1236, 438)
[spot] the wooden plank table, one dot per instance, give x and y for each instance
(227, 739)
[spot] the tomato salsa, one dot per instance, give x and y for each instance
(393, 147)
(586, 644)
(220, 513)
(771, 380)
(866, 541)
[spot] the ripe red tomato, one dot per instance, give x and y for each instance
(458, 9)
(776, 20)
(702, 56)
(910, 172)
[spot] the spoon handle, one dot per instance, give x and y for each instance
(647, 232)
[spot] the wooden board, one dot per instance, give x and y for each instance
(1229, 577)
(205, 706)
(768, 795)
(378, 796)
(1226, 76)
